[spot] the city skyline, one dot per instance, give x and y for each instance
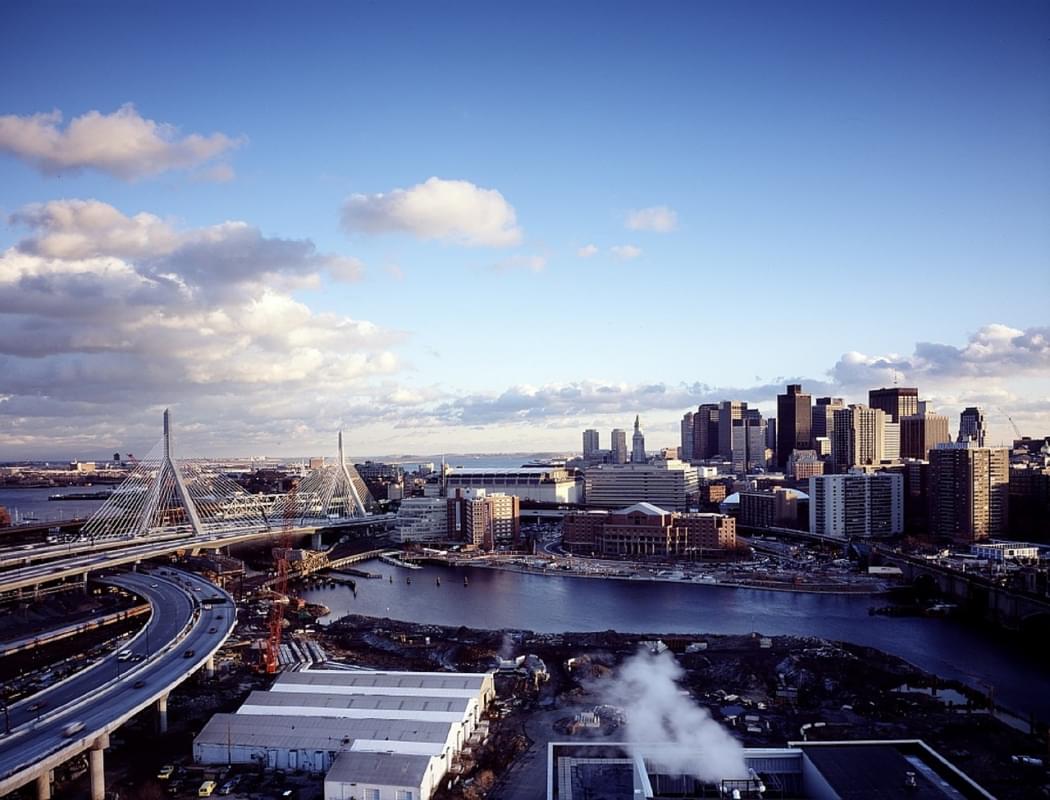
(434, 237)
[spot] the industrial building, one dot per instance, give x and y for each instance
(381, 735)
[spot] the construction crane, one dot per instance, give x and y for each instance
(271, 660)
(1017, 431)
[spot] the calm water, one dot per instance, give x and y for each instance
(34, 502)
(497, 599)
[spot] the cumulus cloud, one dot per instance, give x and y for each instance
(587, 251)
(109, 317)
(123, 144)
(625, 252)
(451, 210)
(995, 350)
(658, 219)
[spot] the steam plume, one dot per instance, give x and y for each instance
(670, 730)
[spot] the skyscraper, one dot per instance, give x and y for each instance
(794, 422)
(897, 402)
(969, 491)
(688, 424)
(728, 411)
(922, 432)
(618, 443)
(638, 443)
(748, 449)
(824, 416)
(590, 443)
(971, 426)
(705, 431)
(859, 437)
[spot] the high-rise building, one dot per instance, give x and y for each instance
(618, 443)
(922, 432)
(969, 491)
(484, 520)
(859, 437)
(794, 422)
(688, 425)
(638, 443)
(891, 442)
(824, 416)
(591, 443)
(771, 434)
(705, 431)
(971, 426)
(668, 484)
(728, 412)
(856, 504)
(897, 402)
(748, 442)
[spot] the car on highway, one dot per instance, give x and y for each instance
(229, 786)
(124, 655)
(165, 772)
(72, 729)
(207, 789)
(189, 654)
(213, 630)
(139, 684)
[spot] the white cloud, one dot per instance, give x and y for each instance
(659, 219)
(122, 144)
(587, 251)
(625, 252)
(451, 210)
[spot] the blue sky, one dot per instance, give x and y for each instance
(842, 178)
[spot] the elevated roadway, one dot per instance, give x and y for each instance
(182, 635)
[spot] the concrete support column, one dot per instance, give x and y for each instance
(209, 667)
(315, 541)
(97, 768)
(162, 713)
(43, 785)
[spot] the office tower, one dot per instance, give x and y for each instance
(969, 491)
(688, 424)
(618, 443)
(590, 443)
(824, 416)
(667, 484)
(705, 431)
(771, 434)
(637, 443)
(922, 432)
(891, 442)
(728, 412)
(748, 442)
(794, 422)
(859, 437)
(898, 402)
(861, 504)
(971, 426)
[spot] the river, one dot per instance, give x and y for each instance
(22, 503)
(555, 603)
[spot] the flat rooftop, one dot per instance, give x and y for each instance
(315, 733)
(359, 702)
(385, 769)
(403, 684)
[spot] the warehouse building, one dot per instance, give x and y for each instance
(381, 735)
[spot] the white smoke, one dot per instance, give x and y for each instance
(666, 726)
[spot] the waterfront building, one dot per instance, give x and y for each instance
(591, 444)
(422, 519)
(897, 402)
(921, 432)
(971, 426)
(1005, 551)
(638, 443)
(859, 437)
(824, 416)
(856, 504)
(667, 483)
(484, 520)
(794, 422)
(776, 508)
(618, 443)
(536, 484)
(687, 426)
(644, 530)
(969, 490)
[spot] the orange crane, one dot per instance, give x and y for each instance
(271, 654)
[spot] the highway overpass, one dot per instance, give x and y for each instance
(183, 634)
